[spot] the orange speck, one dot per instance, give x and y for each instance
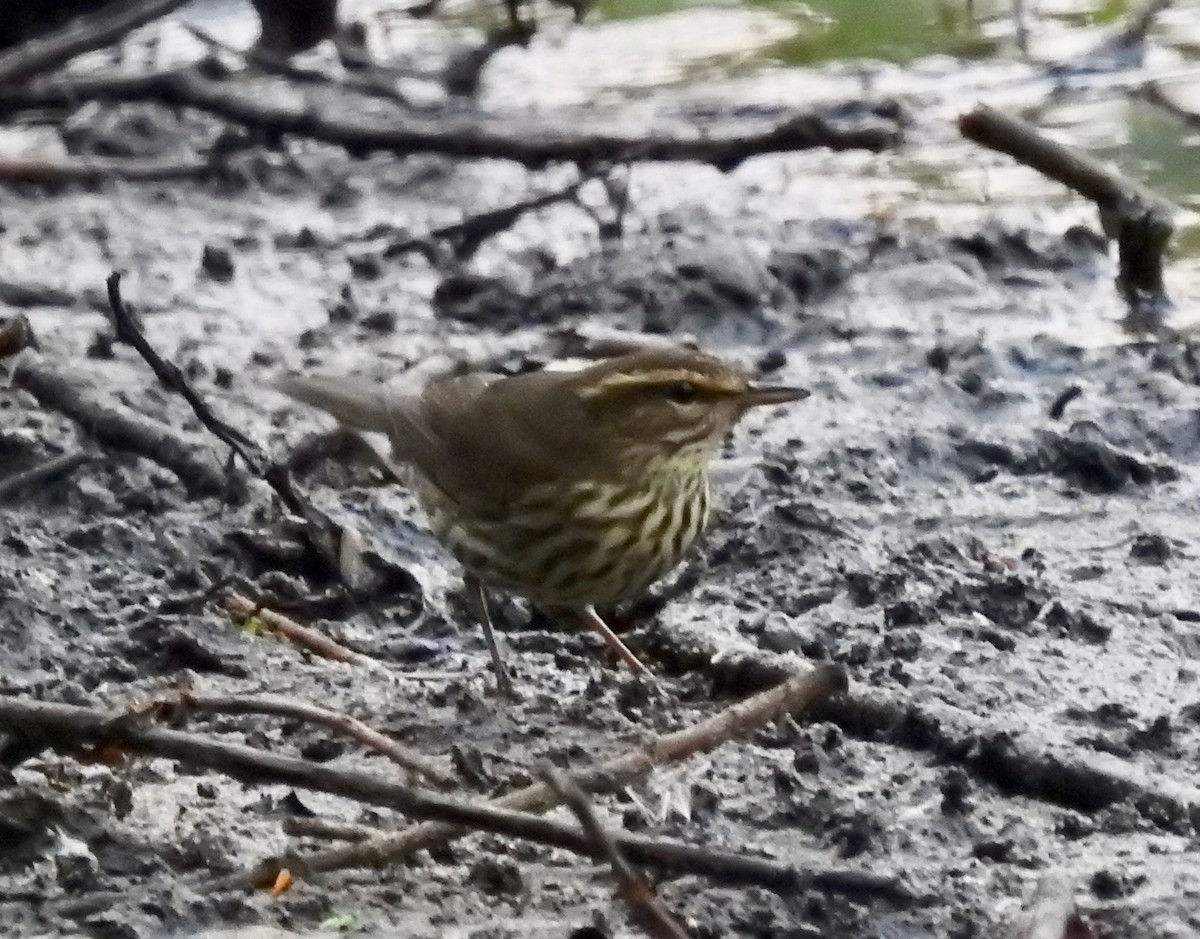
(283, 880)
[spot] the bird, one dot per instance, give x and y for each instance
(574, 489)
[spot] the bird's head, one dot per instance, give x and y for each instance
(671, 400)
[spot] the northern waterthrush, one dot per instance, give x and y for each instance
(574, 489)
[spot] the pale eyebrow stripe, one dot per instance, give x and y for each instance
(662, 376)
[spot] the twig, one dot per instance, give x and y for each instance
(97, 169)
(325, 536)
(371, 84)
(1140, 220)
(44, 472)
(15, 334)
(648, 910)
(129, 331)
(326, 829)
(121, 429)
(1154, 93)
(83, 34)
(794, 694)
(342, 724)
(529, 141)
(66, 728)
(317, 642)
(465, 237)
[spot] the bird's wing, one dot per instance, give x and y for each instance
(481, 438)
(416, 435)
(498, 436)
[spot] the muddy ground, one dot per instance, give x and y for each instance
(1018, 579)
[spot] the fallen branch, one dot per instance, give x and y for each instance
(529, 141)
(44, 472)
(1067, 776)
(342, 724)
(83, 34)
(794, 694)
(15, 334)
(1138, 219)
(169, 374)
(66, 728)
(648, 910)
(118, 428)
(95, 169)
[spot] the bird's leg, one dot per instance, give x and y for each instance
(477, 600)
(590, 617)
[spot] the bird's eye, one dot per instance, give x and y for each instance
(682, 392)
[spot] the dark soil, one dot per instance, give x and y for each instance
(1009, 563)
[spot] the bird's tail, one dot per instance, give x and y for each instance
(358, 403)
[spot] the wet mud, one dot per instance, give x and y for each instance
(985, 512)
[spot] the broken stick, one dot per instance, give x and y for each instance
(1140, 220)
(648, 910)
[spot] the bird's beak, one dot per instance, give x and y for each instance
(756, 395)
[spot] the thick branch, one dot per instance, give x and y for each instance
(526, 140)
(83, 34)
(119, 428)
(1140, 220)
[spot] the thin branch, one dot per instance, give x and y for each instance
(83, 34)
(1155, 93)
(51, 469)
(1135, 31)
(67, 728)
(325, 829)
(326, 537)
(129, 331)
(529, 141)
(466, 237)
(342, 724)
(648, 910)
(793, 694)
